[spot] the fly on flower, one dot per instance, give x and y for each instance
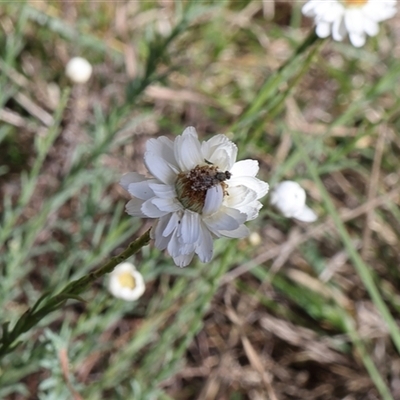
(196, 193)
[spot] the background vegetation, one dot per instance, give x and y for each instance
(284, 314)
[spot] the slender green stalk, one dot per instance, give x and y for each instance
(28, 182)
(334, 313)
(71, 291)
(45, 305)
(362, 269)
(273, 82)
(369, 365)
(274, 105)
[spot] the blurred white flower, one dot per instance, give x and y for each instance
(358, 18)
(255, 239)
(290, 199)
(198, 193)
(78, 70)
(126, 282)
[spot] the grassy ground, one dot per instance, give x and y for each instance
(291, 312)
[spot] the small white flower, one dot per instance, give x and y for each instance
(358, 18)
(290, 199)
(255, 239)
(197, 193)
(126, 282)
(78, 70)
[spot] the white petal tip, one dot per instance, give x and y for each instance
(190, 130)
(306, 215)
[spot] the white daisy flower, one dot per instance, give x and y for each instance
(290, 199)
(358, 18)
(126, 282)
(79, 70)
(197, 192)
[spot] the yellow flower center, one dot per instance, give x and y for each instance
(126, 280)
(191, 187)
(355, 3)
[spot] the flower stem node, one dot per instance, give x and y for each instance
(126, 282)
(197, 193)
(290, 199)
(357, 18)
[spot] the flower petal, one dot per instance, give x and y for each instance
(339, 30)
(244, 200)
(353, 20)
(213, 200)
(161, 240)
(259, 186)
(164, 148)
(205, 245)
(168, 205)
(227, 219)
(252, 210)
(371, 28)
(173, 223)
(239, 196)
(141, 190)
(323, 29)
(379, 11)
(163, 191)
(190, 227)
(176, 247)
(357, 39)
(305, 215)
(309, 8)
(221, 151)
(160, 168)
(187, 150)
(183, 260)
(131, 177)
(151, 211)
(134, 208)
(245, 168)
(332, 12)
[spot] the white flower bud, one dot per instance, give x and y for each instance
(290, 199)
(78, 70)
(126, 282)
(255, 239)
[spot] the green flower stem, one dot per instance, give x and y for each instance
(47, 304)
